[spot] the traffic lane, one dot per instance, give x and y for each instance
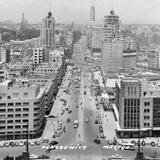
(69, 136)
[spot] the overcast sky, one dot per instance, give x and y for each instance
(130, 11)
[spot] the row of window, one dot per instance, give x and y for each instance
(11, 127)
(131, 102)
(146, 103)
(16, 121)
(16, 104)
(12, 115)
(146, 117)
(128, 124)
(146, 110)
(146, 124)
(12, 109)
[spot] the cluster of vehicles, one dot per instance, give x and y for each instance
(20, 143)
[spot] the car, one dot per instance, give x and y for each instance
(86, 120)
(97, 141)
(45, 141)
(6, 144)
(68, 120)
(1, 144)
(96, 121)
(33, 156)
(102, 135)
(31, 143)
(37, 143)
(21, 143)
(12, 144)
(51, 116)
(70, 111)
(100, 129)
(57, 134)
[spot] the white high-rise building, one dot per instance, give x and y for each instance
(112, 46)
(47, 33)
(38, 55)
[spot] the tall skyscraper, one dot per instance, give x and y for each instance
(112, 46)
(47, 33)
(92, 14)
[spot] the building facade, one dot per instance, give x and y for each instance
(47, 33)
(22, 105)
(112, 46)
(154, 59)
(39, 55)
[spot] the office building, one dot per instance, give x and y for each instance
(138, 103)
(112, 46)
(96, 39)
(22, 104)
(40, 54)
(92, 14)
(4, 55)
(112, 57)
(47, 32)
(154, 59)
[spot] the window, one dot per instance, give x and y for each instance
(15, 95)
(18, 104)
(25, 109)
(17, 126)
(36, 103)
(25, 94)
(18, 121)
(24, 126)
(25, 115)
(10, 109)
(26, 103)
(10, 115)
(18, 109)
(25, 120)
(2, 121)
(2, 127)
(9, 127)
(146, 103)
(2, 104)
(2, 110)
(10, 121)
(18, 115)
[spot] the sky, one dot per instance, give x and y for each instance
(130, 11)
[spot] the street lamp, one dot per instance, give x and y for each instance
(139, 155)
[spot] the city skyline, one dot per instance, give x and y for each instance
(78, 11)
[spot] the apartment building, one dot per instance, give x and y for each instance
(21, 104)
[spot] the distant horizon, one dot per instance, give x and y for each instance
(129, 11)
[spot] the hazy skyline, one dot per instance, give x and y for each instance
(130, 11)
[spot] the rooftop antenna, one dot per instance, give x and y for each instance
(112, 5)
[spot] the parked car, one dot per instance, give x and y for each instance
(6, 144)
(68, 120)
(12, 144)
(70, 111)
(97, 141)
(21, 143)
